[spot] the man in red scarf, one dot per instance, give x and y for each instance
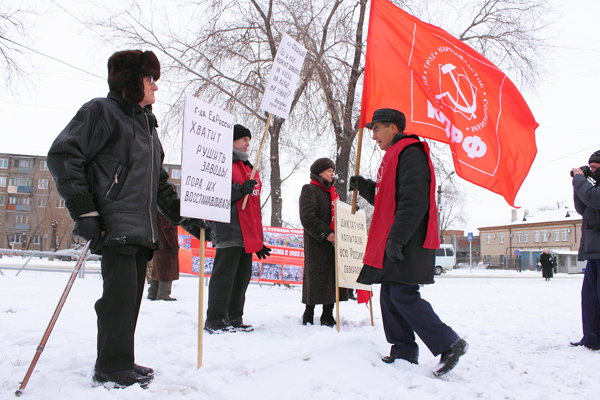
(402, 240)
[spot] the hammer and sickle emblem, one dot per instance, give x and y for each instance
(467, 109)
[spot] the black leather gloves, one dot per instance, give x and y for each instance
(248, 186)
(394, 251)
(264, 252)
(356, 181)
(89, 228)
(193, 226)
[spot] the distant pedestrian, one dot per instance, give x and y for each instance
(165, 264)
(402, 242)
(587, 203)
(547, 263)
(316, 215)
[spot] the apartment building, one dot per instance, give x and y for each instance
(32, 214)
(556, 230)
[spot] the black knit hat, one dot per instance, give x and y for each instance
(595, 157)
(126, 72)
(321, 165)
(388, 115)
(240, 131)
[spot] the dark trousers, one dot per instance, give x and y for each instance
(404, 312)
(123, 272)
(229, 280)
(590, 305)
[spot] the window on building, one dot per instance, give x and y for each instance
(545, 236)
(501, 238)
(526, 237)
(12, 200)
(488, 239)
(519, 237)
(3, 163)
(43, 184)
(536, 237)
(565, 235)
(2, 181)
(176, 173)
(2, 199)
(556, 236)
(37, 240)
(25, 163)
(41, 202)
(16, 238)
(21, 219)
(60, 203)
(43, 166)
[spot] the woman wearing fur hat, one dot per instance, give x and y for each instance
(235, 243)
(107, 165)
(316, 214)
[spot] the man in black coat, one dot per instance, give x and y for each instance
(587, 203)
(107, 165)
(402, 240)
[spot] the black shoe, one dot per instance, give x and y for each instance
(450, 357)
(217, 327)
(122, 379)
(238, 325)
(168, 298)
(151, 298)
(143, 371)
(575, 344)
(308, 318)
(327, 320)
(390, 359)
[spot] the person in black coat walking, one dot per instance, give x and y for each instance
(402, 240)
(547, 264)
(316, 214)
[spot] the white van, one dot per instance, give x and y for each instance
(445, 258)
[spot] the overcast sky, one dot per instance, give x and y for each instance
(565, 105)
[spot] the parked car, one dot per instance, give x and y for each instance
(74, 253)
(445, 258)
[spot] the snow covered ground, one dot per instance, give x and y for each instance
(518, 327)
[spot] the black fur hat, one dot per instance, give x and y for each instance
(595, 157)
(321, 165)
(126, 70)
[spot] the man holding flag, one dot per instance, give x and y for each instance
(402, 240)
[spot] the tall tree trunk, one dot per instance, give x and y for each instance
(276, 200)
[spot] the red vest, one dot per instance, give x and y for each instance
(385, 205)
(250, 218)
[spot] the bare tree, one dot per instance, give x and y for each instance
(452, 213)
(12, 29)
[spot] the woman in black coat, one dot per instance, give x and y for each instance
(316, 202)
(547, 265)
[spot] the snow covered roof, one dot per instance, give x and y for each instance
(536, 217)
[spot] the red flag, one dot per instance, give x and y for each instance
(449, 93)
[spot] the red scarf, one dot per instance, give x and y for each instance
(385, 205)
(250, 218)
(333, 195)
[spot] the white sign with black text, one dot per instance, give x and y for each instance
(283, 79)
(350, 245)
(206, 161)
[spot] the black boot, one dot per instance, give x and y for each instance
(450, 357)
(309, 315)
(327, 316)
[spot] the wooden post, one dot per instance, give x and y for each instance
(357, 168)
(258, 156)
(337, 288)
(371, 307)
(201, 297)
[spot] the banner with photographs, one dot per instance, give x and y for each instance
(283, 266)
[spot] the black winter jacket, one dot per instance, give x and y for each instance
(587, 203)
(109, 159)
(409, 228)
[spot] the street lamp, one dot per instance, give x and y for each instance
(439, 204)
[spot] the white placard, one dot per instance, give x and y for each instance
(350, 245)
(206, 155)
(283, 79)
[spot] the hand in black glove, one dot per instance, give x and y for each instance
(264, 252)
(394, 251)
(193, 226)
(89, 228)
(355, 182)
(248, 186)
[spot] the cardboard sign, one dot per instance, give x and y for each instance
(350, 245)
(206, 155)
(283, 79)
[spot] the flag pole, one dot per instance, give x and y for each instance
(357, 168)
(258, 156)
(371, 307)
(201, 297)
